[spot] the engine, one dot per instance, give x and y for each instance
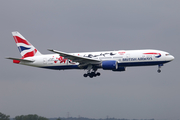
(111, 65)
(120, 69)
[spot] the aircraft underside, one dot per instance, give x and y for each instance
(92, 70)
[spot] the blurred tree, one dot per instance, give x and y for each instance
(30, 117)
(4, 117)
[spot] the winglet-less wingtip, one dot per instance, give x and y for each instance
(50, 50)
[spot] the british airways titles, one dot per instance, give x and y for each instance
(137, 59)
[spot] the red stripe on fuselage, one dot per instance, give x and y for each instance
(20, 40)
(152, 53)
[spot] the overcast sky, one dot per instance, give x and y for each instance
(91, 25)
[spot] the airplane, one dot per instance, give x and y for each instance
(91, 61)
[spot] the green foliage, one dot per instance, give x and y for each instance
(30, 117)
(4, 117)
(58, 119)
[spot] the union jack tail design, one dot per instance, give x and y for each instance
(25, 47)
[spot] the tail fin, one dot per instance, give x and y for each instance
(25, 47)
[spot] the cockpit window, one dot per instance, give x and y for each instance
(167, 54)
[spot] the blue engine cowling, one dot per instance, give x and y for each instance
(120, 69)
(109, 65)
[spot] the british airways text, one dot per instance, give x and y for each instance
(137, 59)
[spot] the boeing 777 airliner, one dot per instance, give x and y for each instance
(91, 61)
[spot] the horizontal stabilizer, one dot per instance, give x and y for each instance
(21, 60)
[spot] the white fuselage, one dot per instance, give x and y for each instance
(124, 58)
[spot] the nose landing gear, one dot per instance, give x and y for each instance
(159, 68)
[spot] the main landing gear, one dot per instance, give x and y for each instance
(159, 68)
(91, 72)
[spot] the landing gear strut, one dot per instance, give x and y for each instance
(91, 72)
(159, 68)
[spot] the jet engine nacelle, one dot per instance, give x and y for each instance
(120, 69)
(109, 65)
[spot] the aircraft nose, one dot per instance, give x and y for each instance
(170, 58)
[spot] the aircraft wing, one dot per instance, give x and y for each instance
(74, 58)
(22, 60)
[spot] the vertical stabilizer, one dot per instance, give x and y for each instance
(26, 49)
